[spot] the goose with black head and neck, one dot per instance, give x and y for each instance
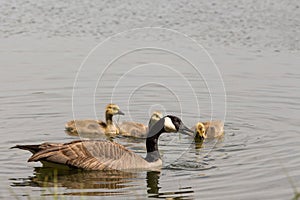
(106, 155)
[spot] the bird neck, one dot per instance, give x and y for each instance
(152, 146)
(108, 118)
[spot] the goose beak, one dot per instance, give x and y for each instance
(120, 113)
(185, 130)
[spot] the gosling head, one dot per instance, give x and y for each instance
(113, 109)
(200, 131)
(169, 124)
(155, 117)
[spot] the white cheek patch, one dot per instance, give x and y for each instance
(169, 126)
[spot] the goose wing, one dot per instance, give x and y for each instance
(36, 148)
(91, 155)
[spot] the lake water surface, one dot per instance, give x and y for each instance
(259, 156)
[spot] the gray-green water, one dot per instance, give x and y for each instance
(43, 45)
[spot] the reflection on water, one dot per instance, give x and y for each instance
(104, 182)
(152, 182)
(198, 144)
(95, 183)
(77, 179)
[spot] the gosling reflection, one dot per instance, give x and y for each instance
(198, 143)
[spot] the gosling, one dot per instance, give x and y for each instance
(98, 127)
(139, 130)
(209, 130)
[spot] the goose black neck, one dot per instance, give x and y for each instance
(108, 118)
(152, 146)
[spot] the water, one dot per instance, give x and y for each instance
(259, 154)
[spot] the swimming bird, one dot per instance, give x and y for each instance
(139, 130)
(209, 130)
(86, 127)
(104, 154)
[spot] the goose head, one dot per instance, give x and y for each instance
(169, 124)
(113, 109)
(200, 131)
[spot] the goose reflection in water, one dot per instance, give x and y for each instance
(103, 183)
(79, 179)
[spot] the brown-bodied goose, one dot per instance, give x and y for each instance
(209, 130)
(106, 155)
(86, 127)
(139, 130)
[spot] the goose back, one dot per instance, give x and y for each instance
(90, 155)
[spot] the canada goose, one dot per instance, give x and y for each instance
(77, 127)
(138, 130)
(103, 154)
(209, 130)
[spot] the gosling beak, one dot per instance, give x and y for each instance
(120, 113)
(185, 130)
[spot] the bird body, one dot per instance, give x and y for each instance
(89, 154)
(103, 154)
(133, 129)
(98, 127)
(209, 129)
(139, 130)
